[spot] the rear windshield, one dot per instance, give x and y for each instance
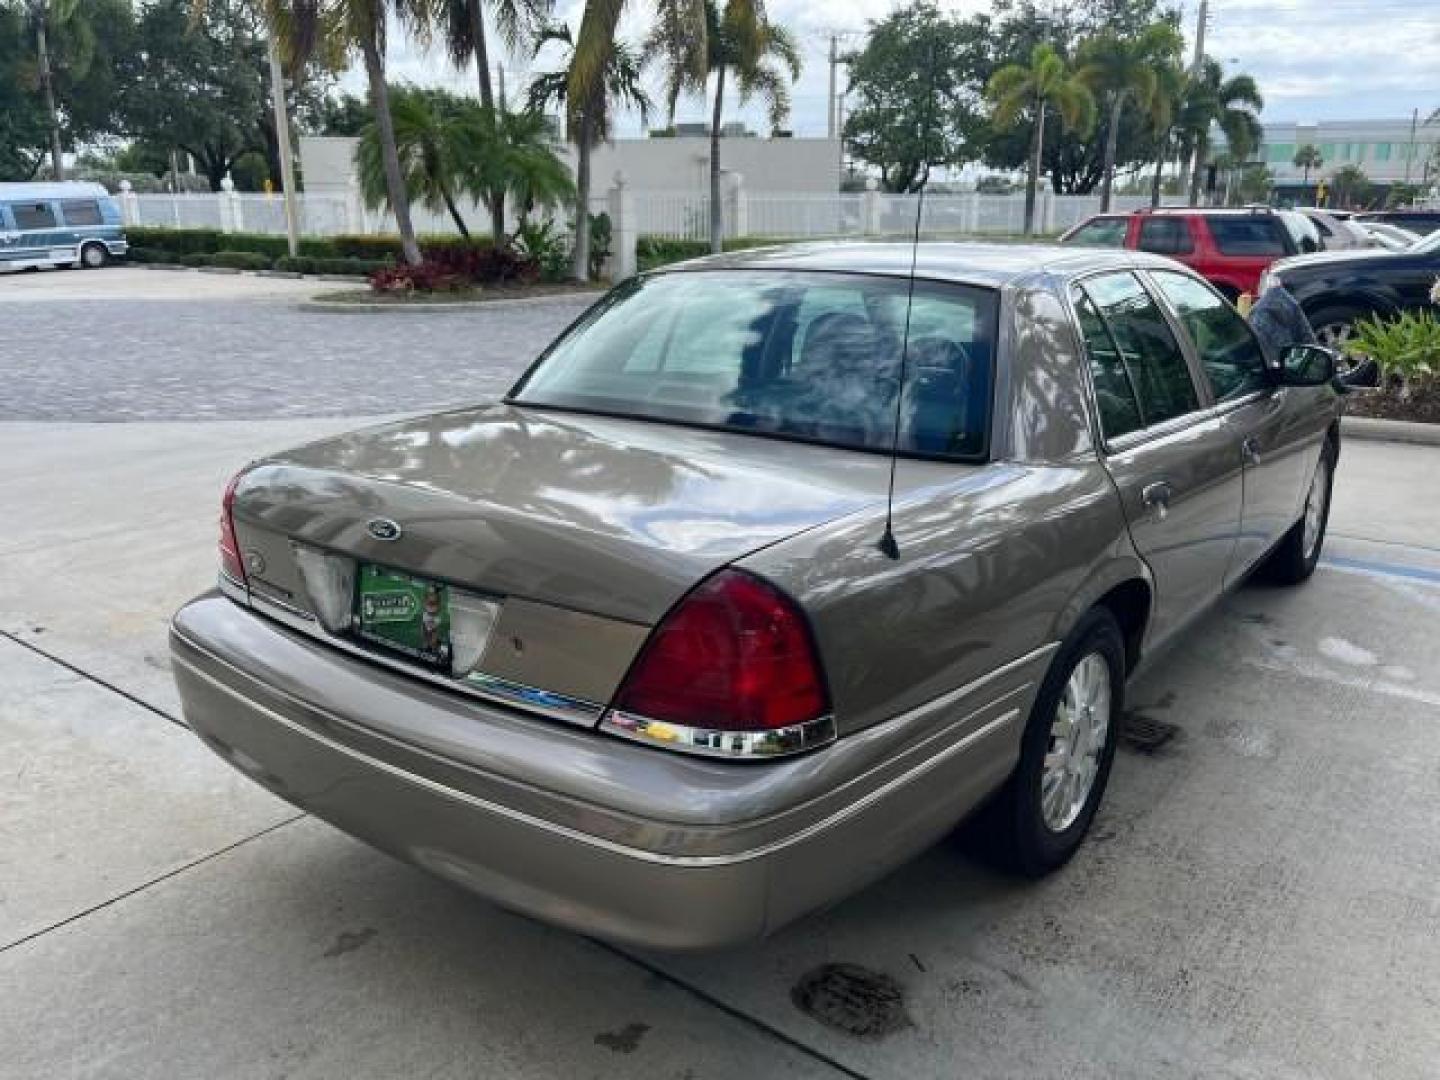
(1258, 235)
(812, 356)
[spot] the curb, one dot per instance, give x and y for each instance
(457, 306)
(1401, 431)
(218, 269)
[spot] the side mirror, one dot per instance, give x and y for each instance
(1364, 375)
(1305, 365)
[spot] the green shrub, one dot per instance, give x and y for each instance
(149, 255)
(1406, 348)
(547, 246)
(310, 264)
(179, 241)
(241, 260)
(194, 259)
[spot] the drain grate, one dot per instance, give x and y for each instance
(1146, 734)
(852, 999)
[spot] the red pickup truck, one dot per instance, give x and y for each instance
(1229, 248)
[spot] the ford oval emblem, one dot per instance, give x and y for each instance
(383, 529)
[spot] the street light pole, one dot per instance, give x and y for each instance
(282, 138)
(830, 101)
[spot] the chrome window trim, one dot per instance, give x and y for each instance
(962, 744)
(546, 703)
(731, 745)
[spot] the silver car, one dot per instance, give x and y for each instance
(770, 571)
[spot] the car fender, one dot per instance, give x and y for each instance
(1378, 299)
(1123, 564)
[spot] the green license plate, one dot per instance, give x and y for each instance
(404, 613)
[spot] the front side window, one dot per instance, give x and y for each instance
(1165, 236)
(81, 211)
(1258, 234)
(814, 356)
(1229, 352)
(33, 215)
(1148, 351)
(1102, 232)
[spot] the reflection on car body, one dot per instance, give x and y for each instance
(685, 696)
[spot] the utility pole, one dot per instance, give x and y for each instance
(831, 101)
(282, 140)
(1204, 17)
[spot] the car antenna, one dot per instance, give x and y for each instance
(888, 543)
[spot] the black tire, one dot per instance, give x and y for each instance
(1019, 835)
(1333, 325)
(94, 256)
(1293, 560)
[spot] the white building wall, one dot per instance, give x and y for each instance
(1380, 147)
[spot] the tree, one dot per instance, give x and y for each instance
(85, 41)
(515, 155)
(1212, 99)
(742, 42)
(587, 100)
(1028, 91)
(1349, 187)
(344, 27)
(1120, 69)
(342, 115)
(464, 25)
(45, 16)
(1307, 158)
(430, 131)
(890, 94)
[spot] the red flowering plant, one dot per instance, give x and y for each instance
(451, 267)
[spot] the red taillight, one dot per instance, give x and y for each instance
(735, 655)
(230, 561)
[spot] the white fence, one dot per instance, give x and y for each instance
(670, 214)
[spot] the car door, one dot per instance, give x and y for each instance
(1173, 462)
(1272, 432)
(9, 236)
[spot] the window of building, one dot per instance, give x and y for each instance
(33, 215)
(81, 211)
(1382, 151)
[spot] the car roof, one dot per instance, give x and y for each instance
(69, 189)
(986, 264)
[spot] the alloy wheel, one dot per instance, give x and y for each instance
(1078, 735)
(1336, 336)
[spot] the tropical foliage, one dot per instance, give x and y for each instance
(1028, 92)
(1406, 348)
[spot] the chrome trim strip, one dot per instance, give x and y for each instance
(234, 588)
(641, 854)
(540, 702)
(731, 745)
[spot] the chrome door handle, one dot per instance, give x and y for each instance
(1157, 497)
(1250, 451)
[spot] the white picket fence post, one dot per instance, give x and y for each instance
(623, 232)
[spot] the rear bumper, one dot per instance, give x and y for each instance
(573, 827)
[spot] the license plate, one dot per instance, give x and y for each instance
(405, 613)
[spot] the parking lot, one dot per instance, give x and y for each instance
(1257, 899)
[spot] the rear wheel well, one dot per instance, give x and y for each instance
(1129, 603)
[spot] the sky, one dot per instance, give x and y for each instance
(1314, 59)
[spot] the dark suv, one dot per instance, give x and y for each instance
(1337, 288)
(1423, 222)
(1229, 248)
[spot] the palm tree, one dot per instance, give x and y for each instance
(1308, 157)
(760, 54)
(350, 26)
(1029, 90)
(1212, 99)
(431, 140)
(588, 101)
(1160, 119)
(1118, 69)
(515, 154)
(677, 43)
(464, 28)
(45, 16)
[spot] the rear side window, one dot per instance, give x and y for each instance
(81, 211)
(1102, 232)
(1229, 352)
(1165, 236)
(1148, 351)
(1114, 392)
(33, 215)
(1258, 235)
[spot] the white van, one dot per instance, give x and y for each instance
(67, 224)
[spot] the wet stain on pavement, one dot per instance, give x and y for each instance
(624, 1041)
(350, 940)
(847, 997)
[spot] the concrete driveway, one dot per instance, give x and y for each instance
(1257, 900)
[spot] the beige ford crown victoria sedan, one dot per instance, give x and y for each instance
(635, 650)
